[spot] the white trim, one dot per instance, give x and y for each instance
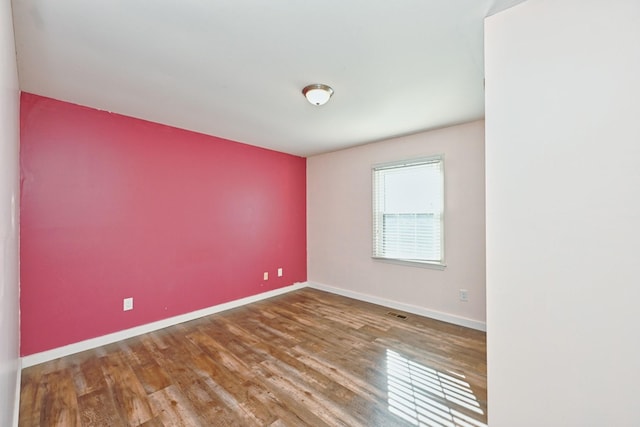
(437, 315)
(415, 161)
(420, 264)
(45, 356)
(16, 399)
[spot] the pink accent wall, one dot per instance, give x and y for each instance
(115, 207)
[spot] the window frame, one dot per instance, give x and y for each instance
(438, 265)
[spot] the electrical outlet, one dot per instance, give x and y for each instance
(464, 295)
(127, 304)
(280, 272)
(266, 275)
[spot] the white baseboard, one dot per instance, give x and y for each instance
(45, 356)
(16, 399)
(437, 315)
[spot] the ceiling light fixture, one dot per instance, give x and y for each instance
(317, 94)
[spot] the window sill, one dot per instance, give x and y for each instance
(409, 263)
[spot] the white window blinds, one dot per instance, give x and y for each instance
(408, 210)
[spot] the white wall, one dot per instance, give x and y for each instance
(563, 213)
(339, 225)
(9, 199)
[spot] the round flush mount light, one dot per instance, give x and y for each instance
(317, 94)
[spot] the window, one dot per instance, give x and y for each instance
(408, 211)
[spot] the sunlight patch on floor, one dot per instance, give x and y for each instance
(424, 396)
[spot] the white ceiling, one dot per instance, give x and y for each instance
(236, 68)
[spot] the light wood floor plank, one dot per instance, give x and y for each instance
(98, 408)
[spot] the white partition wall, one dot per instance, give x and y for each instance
(563, 213)
(9, 199)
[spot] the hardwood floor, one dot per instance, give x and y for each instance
(303, 358)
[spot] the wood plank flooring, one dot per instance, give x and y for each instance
(306, 358)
